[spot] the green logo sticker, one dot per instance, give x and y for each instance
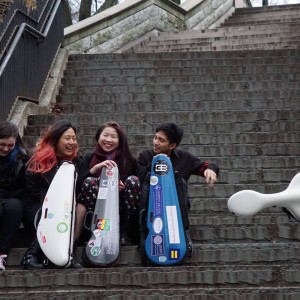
(95, 251)
(62, 227)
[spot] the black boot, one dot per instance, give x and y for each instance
(124, 239)
(34, 257)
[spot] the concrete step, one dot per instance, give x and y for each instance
(286, 87)
(256, 163)
(222, 190)
(275, 19)
(200, 67)
(265, 13)
(228, 31)
(259, 125)
(265, 29)
(273, 45)
(284, 57)
(238, 139)
(211, 46)
(94, 80)
(270, 227)
(244, 47)
(156, 59)
(234, 116)
(266, 9)
(157, 103)
(204, 293)
(263, 19)
(205, 254)
(234, 39)
(181, 101)
(117, 95)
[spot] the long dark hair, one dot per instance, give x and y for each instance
(122, 154)
(44, 156)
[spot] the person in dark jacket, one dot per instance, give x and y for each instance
(13, 159)
(166, 139)
(111, 150)
(56, 144)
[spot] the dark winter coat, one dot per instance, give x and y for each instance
(182, 161)
(12, 176)
(37, 185)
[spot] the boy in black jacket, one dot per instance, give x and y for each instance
(166, 139)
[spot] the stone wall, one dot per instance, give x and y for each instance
(209, 13)
(131, 20)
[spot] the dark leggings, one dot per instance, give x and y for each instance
(10, 220)
(128, 198)
(30, 208)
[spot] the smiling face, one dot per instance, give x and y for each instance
(108, 139)
(7, 145)
(161, 144)
(67, 144)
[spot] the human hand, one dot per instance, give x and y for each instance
(107, 163)
(210, 177)
(121, 185)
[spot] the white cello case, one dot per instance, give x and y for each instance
(56, 227)
(247, 202)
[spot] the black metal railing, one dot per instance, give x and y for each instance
(29, 41)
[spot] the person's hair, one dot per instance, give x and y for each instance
(173, 132)
(44, 156)
(7, 130)
(123, 154)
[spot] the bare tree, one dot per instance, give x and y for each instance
(82, 9)
(67, 13)
(85, 9)
(107, 4)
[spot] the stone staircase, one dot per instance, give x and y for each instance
(275, 27)
(239, 109)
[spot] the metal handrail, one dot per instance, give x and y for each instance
(32, 31)
(28, 48)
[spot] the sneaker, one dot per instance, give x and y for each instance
(2, 261)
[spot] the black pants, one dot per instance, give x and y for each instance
(30, 208)
(10, 220)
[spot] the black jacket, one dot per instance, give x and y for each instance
(38, 184)
(12, 176)
(182, 161)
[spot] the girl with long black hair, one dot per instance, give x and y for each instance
(111, 150)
